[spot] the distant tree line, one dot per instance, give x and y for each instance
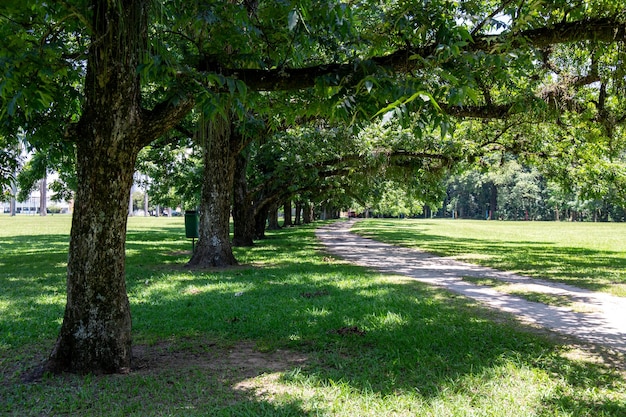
(513, 191)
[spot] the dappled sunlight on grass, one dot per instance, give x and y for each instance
(381, 321)
(512, 392)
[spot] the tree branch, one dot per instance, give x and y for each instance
(163, 117)
(479, 27)
(556, 96)
(493, 111)
(404, 60)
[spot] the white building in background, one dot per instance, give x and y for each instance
(33, 205)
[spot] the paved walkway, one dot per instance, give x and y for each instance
(606, 325)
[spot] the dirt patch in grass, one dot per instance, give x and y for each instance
(236, 362)
(179, 253)
(315, 294)
(185, 268)
(349, 330)
(239, 361)
(246, 369)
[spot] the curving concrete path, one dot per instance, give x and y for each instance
(605, 325)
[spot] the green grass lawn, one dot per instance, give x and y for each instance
(291, 332)
(587, 255)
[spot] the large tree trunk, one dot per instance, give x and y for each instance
(95, 335)
(96, 332)
(243, 211)
(214, 248)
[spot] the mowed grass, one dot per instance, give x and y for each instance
(291, 332)
(587, 255)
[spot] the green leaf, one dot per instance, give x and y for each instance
(425, 96)
(12, 106)
(232, 86)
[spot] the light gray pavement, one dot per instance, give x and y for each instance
(605, 325)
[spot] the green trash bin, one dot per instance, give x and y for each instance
(192, 224)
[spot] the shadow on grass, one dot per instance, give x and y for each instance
(414, 338)
(410, 339)
(31, 255)
(32, 283)
(586, 268)
(184, 391)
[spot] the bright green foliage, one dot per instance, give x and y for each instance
(455, 60)
(523, 192)
(36, 37)
(362, 168)
(174, 172)
(41, 66)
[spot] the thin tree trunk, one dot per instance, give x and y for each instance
(243, 212)
(13, 203)
(287, 216)
(272, 218)
(145, 203)
(131, 204)
(214, 247)
(43, 197)
(298, 219)
(493, 201)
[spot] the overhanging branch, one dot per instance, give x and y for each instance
(404, 60)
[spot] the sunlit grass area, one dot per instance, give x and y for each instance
(587, 255)
(290, 332)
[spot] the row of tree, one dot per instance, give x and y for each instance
(258, 103)
(515, 192)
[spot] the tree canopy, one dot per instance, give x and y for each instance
(443, 82)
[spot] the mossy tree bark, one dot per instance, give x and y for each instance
(96, 332)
